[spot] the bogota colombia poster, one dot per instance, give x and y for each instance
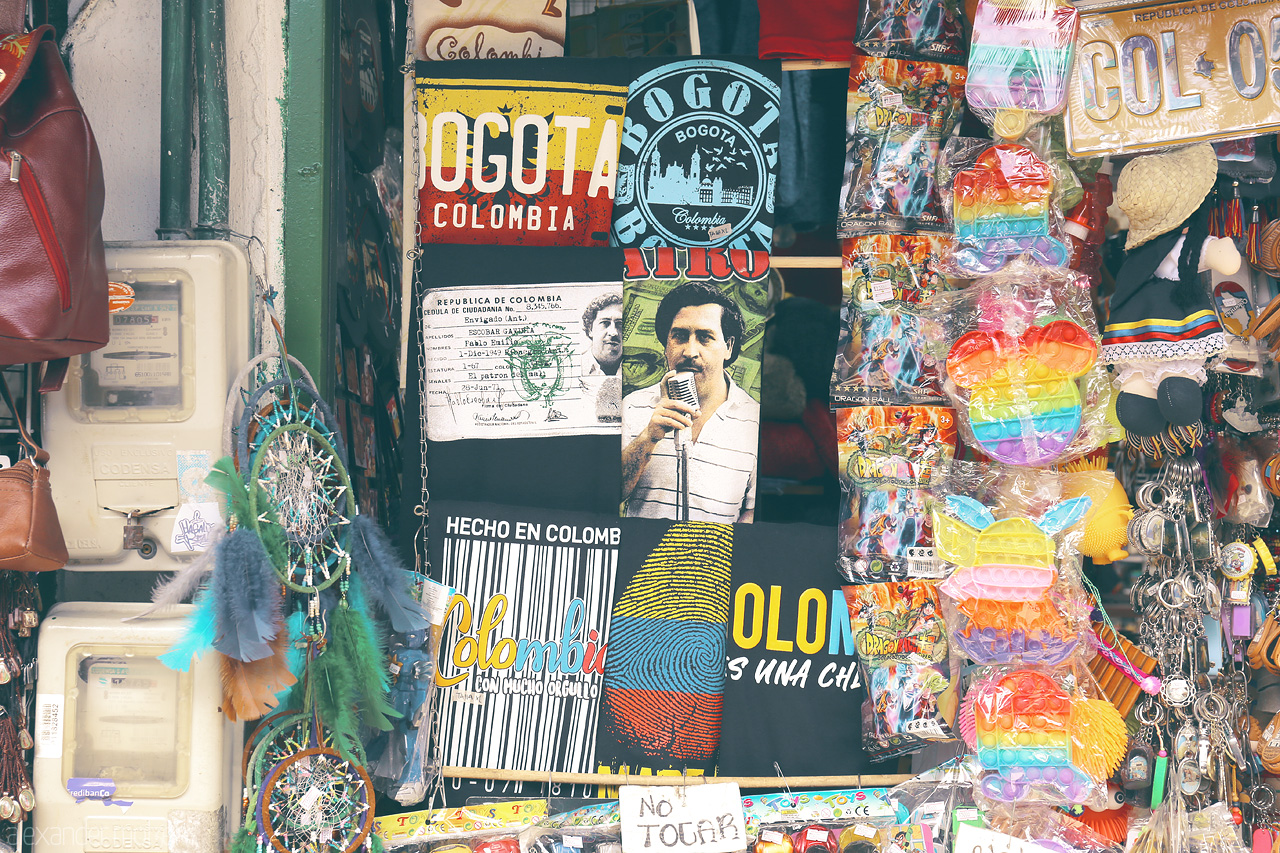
(699, 156)
(508, 160)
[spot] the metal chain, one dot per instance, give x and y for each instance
(412, 261)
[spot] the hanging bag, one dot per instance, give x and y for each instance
(53, 279)
(30, 535)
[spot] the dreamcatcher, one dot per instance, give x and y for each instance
(286, 599)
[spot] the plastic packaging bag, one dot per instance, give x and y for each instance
(1006, 600)
(902, 645)
(1000, 199)
(880, 354)
(885, 534)
(1042, 734)
(897, 115)
(1019, 61)
(1022, 370)
(913, 29)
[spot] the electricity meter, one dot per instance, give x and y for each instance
(130, 755)
(138, 424)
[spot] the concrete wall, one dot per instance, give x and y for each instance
(114, 46)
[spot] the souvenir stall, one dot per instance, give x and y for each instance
(827, 427)
(1036, 614)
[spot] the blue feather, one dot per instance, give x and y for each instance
(386, 581)
(246, 597)
(197, 637)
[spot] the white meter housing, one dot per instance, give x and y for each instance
(138, 423)
(130, 755)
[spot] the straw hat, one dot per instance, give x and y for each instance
(1158, 192)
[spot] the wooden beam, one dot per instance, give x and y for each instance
(612, 779)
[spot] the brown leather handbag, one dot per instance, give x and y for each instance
(30, 535)
(53, 278)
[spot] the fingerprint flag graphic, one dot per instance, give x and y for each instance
(664, 678)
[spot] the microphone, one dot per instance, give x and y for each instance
(683, 388)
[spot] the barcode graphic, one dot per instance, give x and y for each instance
(542, 714)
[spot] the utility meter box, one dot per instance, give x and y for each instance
(130, 755)
(138, 424)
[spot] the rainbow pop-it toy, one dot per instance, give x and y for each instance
(1019, 61)
(1001, 210)
(1000, 586)
(1023, 731)
(1024, 406)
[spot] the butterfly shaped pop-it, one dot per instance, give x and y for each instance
(1024, 405)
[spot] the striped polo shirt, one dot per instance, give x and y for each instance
(722, 462)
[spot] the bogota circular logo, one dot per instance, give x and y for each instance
(699, 158)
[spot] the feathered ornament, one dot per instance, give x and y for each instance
(332, 688)
(198, 635)
(386, 581)
(182, 584)
(251, 690)
(247, 598)
(352, 641)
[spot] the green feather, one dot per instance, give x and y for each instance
(244, 841)
(333, 687)
(350, 637)
(224, 478)
(375, 843)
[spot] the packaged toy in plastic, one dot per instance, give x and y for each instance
(913, 29)
(590, 829)
(1001, 199)
(882, 357)
(885, 534)
(1019, 61)
(1042, 734)
(900, 638)
(492, 828)
(894, 270)
(880, 354)
(894, 445)
(1021, 349)
(1006, 601)
(887, 455)
(898, 113)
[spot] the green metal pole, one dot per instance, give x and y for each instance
(311, 151)
(175, 120)
(215, 128)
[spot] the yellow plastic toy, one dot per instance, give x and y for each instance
(1106, 528)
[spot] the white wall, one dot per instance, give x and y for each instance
(114, 47)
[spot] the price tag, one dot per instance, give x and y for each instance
(574, 841)
(694, 819)
(881, 291)
(864, 831)
(772, 836)
(308, 800)
(816, 834)
(977, 839)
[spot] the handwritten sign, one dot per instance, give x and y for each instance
(513, 362)
(1151, 75)
(662, 819)
(977, 839)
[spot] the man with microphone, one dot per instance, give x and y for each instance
(689, 441)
